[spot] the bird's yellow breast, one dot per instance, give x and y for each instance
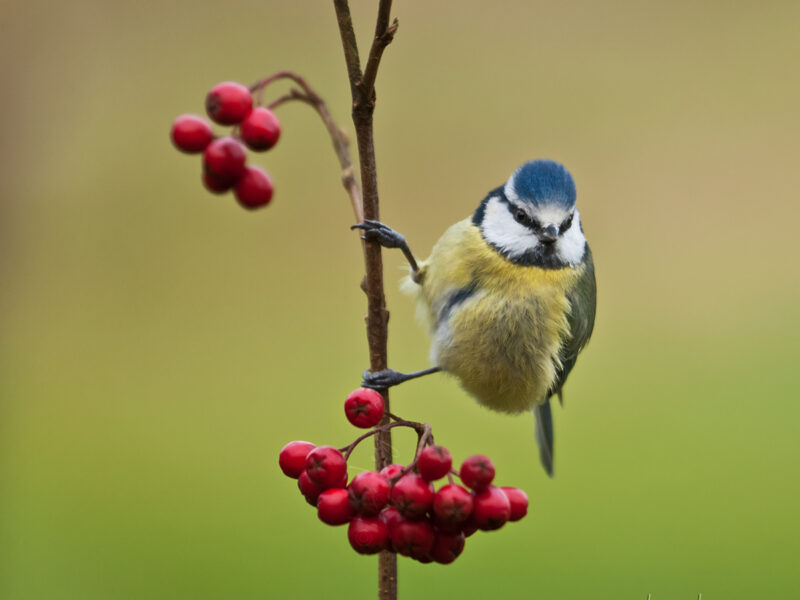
(498, 326)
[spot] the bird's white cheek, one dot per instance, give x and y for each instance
(501, 230)
(572, 245)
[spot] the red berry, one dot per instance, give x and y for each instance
(519, 502)
(412, 538)
(434, 462)
(469, 526)
(224, 159)
(367, 535)
(216, 185)
(391, 471)
(446, 526)
(191, 134)
(254, 188)
(325, 466)
(309, 489)
(477, 472)
(333, 507)
(447, 547)
(292, 458)
(228, 103)
(261, 129)
(364, 408)
(412, 496)
(452, 504)
(390, 516)
(492, 508)
(369, 493)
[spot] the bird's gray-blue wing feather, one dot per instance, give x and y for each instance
(583, 303)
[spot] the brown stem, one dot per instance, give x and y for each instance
(362, 89)
(424, 437)
(341, 143)
(420, 428)
(384, 34)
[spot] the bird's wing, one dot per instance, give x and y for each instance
(583, 303)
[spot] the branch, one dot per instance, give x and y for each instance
(363, 97)
(349, 44)
(341, 143)
(383, 37)
(420, 428)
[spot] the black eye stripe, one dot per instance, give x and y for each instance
(565, 225)
(523, 218)
(520, 216)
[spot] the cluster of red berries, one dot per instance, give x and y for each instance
(224, 158)
(398, 509)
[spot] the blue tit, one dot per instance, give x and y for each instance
(509, 295)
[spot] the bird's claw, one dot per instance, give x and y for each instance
(381, 380)
(375, 231)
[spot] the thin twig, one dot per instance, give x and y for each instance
(420, 428)
(349, 43)
(341, 143)
(383, 38)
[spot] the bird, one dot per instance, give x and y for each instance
(509, 295)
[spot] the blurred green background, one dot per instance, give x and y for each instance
(158, 345)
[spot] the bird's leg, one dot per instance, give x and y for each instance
(375, 231)
(382, 380)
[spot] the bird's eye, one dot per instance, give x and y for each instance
(565, 225)
(520, 216)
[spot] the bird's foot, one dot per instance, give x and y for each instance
(382, 380)
(375, 231)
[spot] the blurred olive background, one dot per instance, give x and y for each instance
(159, 345)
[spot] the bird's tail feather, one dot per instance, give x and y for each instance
(544, 435)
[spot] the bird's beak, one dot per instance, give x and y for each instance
(548, 235)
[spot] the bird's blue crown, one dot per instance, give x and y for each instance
(542, 182)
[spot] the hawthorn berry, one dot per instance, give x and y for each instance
(391, 471)
(447, 547)
(412, 538)
(477, 472)
(446, 526)
(191, 134)
(434, 462)
(364, 408)
(369, 493)
(254, 188)
(260, 129)
(390, 516)
(292, 458)
(519, 502)
(492, 508)
(469, 526)
(228, 103)
(452, 504)
(309, 489)
(333, 507)
(412, 496)
(224, 159)
(215, 185)
(325, 466)
(367, 535)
